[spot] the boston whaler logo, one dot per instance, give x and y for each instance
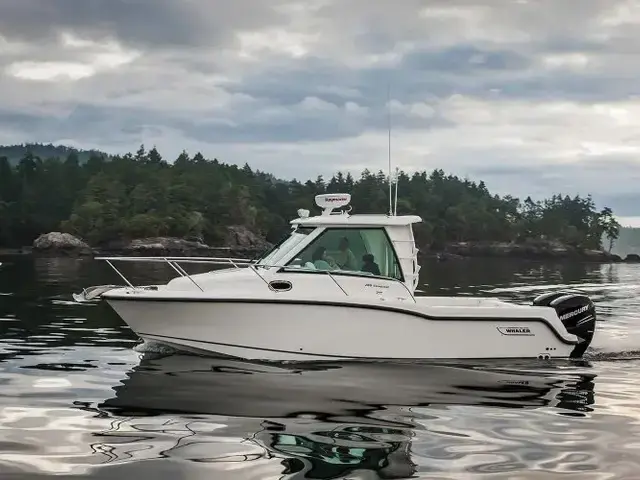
(515, 331)
(574, 313)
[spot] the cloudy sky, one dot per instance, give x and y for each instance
(532, 96)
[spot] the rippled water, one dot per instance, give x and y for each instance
(80, 398)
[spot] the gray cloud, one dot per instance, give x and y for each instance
(601, 178)
(625, 205)
(464, 59)
(151, 23)
(531, 96)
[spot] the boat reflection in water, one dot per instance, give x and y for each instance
(322, 420)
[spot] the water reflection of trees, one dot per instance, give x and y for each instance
(37, 294)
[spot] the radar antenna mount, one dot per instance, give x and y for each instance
(330, 201)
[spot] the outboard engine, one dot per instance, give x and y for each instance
(576, 312)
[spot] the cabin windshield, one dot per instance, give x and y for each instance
(285, 245)
(355, 251)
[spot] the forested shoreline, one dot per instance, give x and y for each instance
(103, 199)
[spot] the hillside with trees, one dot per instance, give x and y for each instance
(141, 195)
(15, 153)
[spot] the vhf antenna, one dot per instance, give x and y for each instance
(389, 143)
(393, 209)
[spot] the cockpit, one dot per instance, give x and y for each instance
(361, 245)
(365, 251)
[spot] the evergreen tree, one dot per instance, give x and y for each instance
(103, 198)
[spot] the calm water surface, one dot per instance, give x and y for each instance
(80, 397)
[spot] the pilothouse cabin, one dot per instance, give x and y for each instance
(356, 245)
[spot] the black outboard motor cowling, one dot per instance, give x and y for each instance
(577, 313)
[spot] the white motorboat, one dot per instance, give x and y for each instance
(340, 287)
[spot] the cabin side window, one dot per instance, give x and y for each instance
(284, 246)
(360, 251)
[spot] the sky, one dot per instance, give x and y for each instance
(533, 97)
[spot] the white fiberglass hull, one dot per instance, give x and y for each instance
(303, 330)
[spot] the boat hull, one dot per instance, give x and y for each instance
(275, 330)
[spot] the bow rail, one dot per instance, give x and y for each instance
(174, 263)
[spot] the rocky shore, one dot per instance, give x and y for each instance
(241, 242)
(531, 250)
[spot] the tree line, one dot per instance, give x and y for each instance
(140, 195)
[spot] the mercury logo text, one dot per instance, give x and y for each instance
(574, 313)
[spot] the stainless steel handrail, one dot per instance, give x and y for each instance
(229, 260)
(237, 263)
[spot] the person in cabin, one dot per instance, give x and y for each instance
(369, 264)
(345, 260)
(320, 259)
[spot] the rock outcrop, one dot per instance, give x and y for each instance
(632, 258)
(241, 239)
(161, 246)
(60, 243)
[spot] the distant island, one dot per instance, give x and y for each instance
(15, 153)
(628, 242)
(132, 201)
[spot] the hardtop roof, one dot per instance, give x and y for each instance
(345, 220)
